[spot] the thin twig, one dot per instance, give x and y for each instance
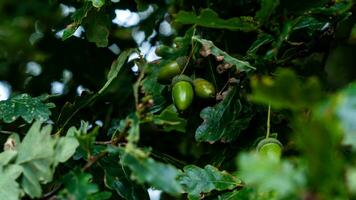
(191, 53)
(103, 142)
(94, 159)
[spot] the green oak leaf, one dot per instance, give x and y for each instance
(209, 18)
(38, 155)
(97, 28)
(98, 3)
(70, 109)
(115, 68)
(351, 179)
(78, 185)
(169, 119)
(77, 17)
(152, 87)
(225, 121)
(196, 181)
(209, 46)
(117, 178)
(9, 188)
(146, 170)
(344, 106)
(286, 91)
(267, 9)
(7, 156)
(26, 107)
(261, 40)
(270, 175)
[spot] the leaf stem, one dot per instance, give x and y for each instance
(268, 121)
(191, 52)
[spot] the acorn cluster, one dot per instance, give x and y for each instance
(184, 88)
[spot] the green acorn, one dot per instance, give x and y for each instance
(168, 71)
(182, 92)
(203, 88)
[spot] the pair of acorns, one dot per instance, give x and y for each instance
(183, 87)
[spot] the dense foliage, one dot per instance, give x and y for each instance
(215, 100)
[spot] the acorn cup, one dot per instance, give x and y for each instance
(270, 147)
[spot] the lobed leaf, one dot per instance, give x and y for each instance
(267, 9)
(196, 181)
(209, 18)
(224, 121)
(97, 28)
(208, 45)
(286, 91)
(146, 170)
(169, 119)
(26, 107)
(78, 186)
(270, 175)
(9, 188)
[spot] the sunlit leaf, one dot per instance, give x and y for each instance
(37, 155)
(345, 110)
(267, 174)
(286, 90)
(146, 170)
(9, 188)
(98, 3)
(351, 179)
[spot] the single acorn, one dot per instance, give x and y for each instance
(182, 92)
(270, 147)
(203, 88)
(164, 51)
(168, 71)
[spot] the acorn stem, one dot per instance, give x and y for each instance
(268, 121)
(191, 53)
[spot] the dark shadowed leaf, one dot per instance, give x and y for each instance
(77, 18)
(169, 119)
(117, 177)
(267, 9)
(225, 121)
(240, 65)
(209, 18)
(97, 28)
(78, 185)
(26, 107)
(196, 181)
